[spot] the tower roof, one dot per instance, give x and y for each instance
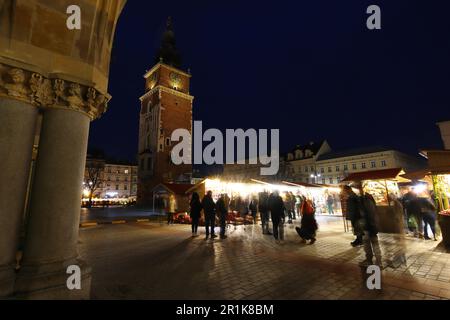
(168, 52)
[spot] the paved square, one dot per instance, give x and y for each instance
(154, 261)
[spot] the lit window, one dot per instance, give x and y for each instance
(126, 171)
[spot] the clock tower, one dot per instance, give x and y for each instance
(165, 107)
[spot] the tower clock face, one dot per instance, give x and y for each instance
(175, 78)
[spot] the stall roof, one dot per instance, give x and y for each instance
(417, 175)
(386, 174)
(303, 184)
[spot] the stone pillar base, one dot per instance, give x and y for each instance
(7, 279)
(49, 282)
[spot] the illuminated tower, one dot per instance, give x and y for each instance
(165, 107)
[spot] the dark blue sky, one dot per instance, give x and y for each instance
(310, 68)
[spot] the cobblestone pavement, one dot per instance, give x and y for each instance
(152, 261)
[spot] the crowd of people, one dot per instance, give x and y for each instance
(271, 207)
(411, 214)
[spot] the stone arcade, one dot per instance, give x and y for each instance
(53, 82)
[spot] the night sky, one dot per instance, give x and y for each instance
(309, 68)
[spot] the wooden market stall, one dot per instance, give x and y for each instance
(439, 172)
(380, 184)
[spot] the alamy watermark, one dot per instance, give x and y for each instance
(235, 147)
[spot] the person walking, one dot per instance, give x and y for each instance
(354, 215)
(428, 212)
(414, 213)
(276, 207)
(209, 209)
(330, 204)
(253, 208)
(369, 225)
(263, 207)
(222, 211)
(308, 224)
(196, 208)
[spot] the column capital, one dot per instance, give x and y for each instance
(51, 92)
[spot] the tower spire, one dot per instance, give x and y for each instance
(168, 52)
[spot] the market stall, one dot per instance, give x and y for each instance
(439, 172)
(380, 184)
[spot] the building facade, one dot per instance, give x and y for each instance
(317, 163)
(165, 107)
(332, 167)
(109, 180)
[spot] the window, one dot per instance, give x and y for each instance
(373, 164)
(125, 187)
(312, 169)
(324, 181)
(117, 187)
(363, 165)
(338, 168)
(117, 179)
(167, 142)
(331, 180)
(322, 170)
(354, 166)
(383, 163)
(345, 167)
(338, 179)
(306, 169)
(160, 147)
(126, 171)
(329, 169)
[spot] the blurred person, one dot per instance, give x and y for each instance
(222, 211)
(263, 207)
(369, 225)
(354, 215)
(330, 204)
(277, 208)
(414, 214)
(428, 215)
(308, 224)
(253, 208)
(209, 209)
(399, 229)
(196, 208)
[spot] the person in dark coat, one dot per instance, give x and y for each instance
(354, 215)
(308, 224)
(196, 208)
(222, 211)
(428, 211)
(369, 225)
(253, 208)
(414, 213)
(276, 207)
(209, 208)
(263, 207)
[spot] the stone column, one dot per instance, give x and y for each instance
(52, 229)
(17, 129)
